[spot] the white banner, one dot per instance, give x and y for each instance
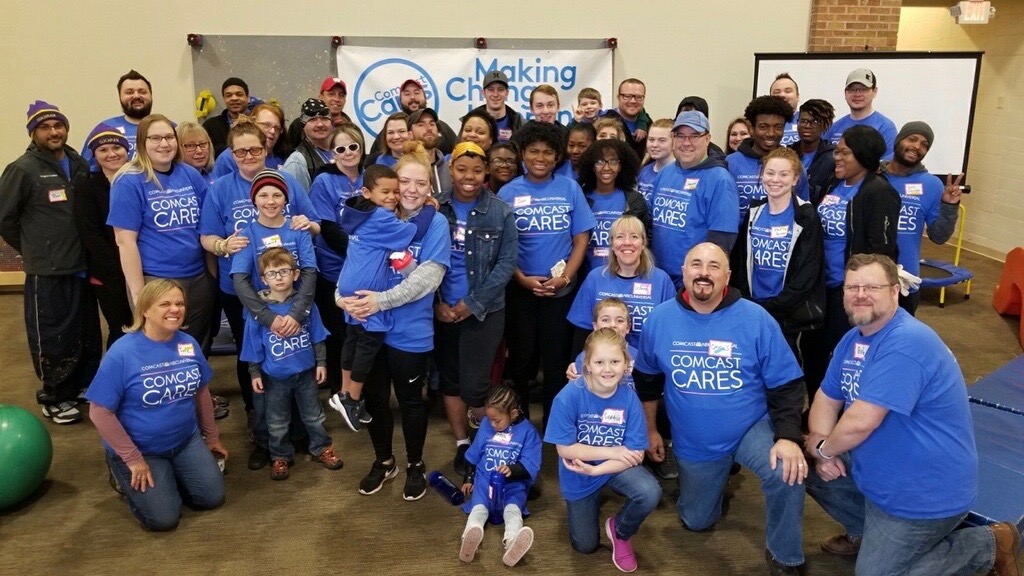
(451, 78)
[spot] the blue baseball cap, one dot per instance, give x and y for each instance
(693, 119)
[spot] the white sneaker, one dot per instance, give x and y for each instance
(471, 539)
(63, 413)
(518, 546)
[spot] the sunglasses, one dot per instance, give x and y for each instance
(353, 147)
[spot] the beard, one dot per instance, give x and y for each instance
(864, 318)
(702, 293)
(136, 113)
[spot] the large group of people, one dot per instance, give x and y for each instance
(685, 309)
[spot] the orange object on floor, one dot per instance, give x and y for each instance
(1007, 296)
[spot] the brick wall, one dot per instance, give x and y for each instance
(853, 25)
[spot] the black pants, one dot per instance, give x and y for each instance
(910, 302)
(112, 297)
(464, 353)
(538, 328)
(334, 320)
(200, 298)
(407, 371)
(360, 351)
(63, 330)
(817, 345)
(235, 313)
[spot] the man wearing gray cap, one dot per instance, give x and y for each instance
(861, 89)
(925, 201)
(694, 199)
(495, 87)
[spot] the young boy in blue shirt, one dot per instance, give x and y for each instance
(375, 234)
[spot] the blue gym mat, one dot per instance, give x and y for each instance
(1002, 389)
(1000, 438)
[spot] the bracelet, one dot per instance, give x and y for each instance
(817, 448)
(567, 281)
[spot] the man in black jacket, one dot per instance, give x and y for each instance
(495, 86)
(236, 99)
(36, 219)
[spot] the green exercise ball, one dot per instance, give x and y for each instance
(25, 454)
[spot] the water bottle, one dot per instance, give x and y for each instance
(403, 262)
(446, 488)
(496, 495)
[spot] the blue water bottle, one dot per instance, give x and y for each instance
(496, 496)
(446, 488)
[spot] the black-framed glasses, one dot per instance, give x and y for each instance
(808, 122)
(275, 274)
(353, 147)
(156, 139)
(193, 147)
(610, 162)
(633, 97)
(255, 152)
(503, 161)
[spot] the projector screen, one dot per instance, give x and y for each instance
(939, 88)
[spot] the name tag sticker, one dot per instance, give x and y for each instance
(913, 188)
(779, 231)
(691, 184)
(830, 200)
(860, 350)
(272, 241)
(642, 289)
(502, 438)
(521, 201)
(613, 416)
(504, 134)
(59, 195)
(601, 252)
(186, 349)
(720, 349)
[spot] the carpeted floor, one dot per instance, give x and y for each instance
(316, 522)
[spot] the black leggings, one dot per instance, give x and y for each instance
(538, 327)
(816, 346)
(407, 371)
(235, 314)
(334, 320)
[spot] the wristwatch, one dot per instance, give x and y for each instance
(821, 454)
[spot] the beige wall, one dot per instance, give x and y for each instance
(71, 53)
(995, 208)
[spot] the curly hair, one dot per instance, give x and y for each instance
(767, 105)
(820, 110)
(629, 164)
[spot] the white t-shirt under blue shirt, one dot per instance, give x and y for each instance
(771, 237)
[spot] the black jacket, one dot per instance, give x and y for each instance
(801, 304)
(92, 205)
(872, 217)
(821, 170)
(217, 127)
(515, 119)
(643, 122)
(36, 212)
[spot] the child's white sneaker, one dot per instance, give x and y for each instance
(516, 548)
(471, 539)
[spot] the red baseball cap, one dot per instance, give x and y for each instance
(330, 83)
(411, 81)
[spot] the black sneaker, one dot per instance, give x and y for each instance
(348, 408)
(378, 475)
(460, 459)
(259, 458)
(415, 482)
(667, 469)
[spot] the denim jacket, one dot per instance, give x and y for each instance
(492, 245)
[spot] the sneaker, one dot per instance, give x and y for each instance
(471, 539)
(62, 413)
(474, 422)
(415, 482)
(1007, 543)
(364, 416)
(518, 546)
(841, 545)
(460, 459)
(348, 408)
(622, 550)
(279, 469)
(777, 569)
(379, 474)
(220, 401)
(667, 469)
(259, 458)
(220, 412)
(329, 458)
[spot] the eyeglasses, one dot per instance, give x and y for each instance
(158, 139)
(842, 153)
(858, 89)
(503, 161)
(688, 137)
(192, 147)
(868, 288)
(353, 147)
(808, 122)
(610, 162)
(275, 274)
(633, 97)
(269, 127)
(255, 152)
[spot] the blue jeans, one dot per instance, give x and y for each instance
(189, 471)
(702, 485)
(642, 493)
(899, 546)
(278, 394)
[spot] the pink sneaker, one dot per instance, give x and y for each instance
(622, 550)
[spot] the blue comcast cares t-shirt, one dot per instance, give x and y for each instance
(282, 357)
(771, 241)
(491, 449)
(580, 416)
(832, 211)
(151, 387)
(547, 216)
(641, 295)
(165, 214)
(717, 369)
(262, 238)
(921, 462)
(606, 208)
(921, 197)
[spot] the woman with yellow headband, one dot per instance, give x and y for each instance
(469, 315)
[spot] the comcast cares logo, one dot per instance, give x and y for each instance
(378, 90)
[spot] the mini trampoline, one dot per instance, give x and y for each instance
(941, 273)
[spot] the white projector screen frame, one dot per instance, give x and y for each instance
(940, 88)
